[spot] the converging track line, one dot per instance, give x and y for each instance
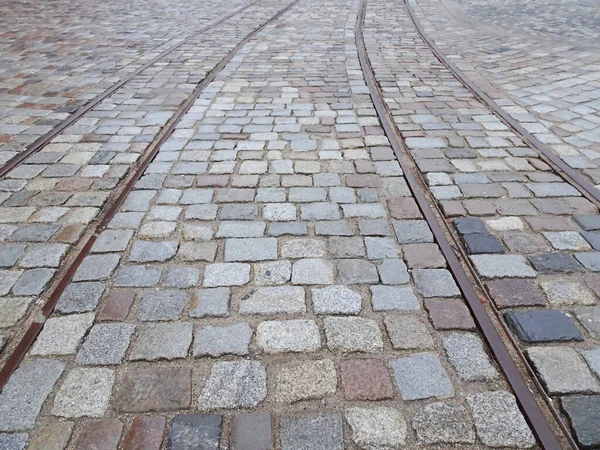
(45, 139)
(113, 206)
(531, 410)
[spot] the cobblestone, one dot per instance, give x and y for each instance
(305, 381)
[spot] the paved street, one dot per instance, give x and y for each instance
(229, 252)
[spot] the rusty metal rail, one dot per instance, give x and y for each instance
(525, 398)
(68, 271)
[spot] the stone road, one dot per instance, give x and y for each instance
(270, 281)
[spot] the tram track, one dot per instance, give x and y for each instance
(46, 138)
(452, 250)
(120, 194)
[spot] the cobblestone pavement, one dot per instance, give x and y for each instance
(543, 72)
(532, 236)
(270, 281)
(56, 56)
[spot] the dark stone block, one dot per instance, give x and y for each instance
(195, 431)
(470, 225)
(583, 412)
(555, 263)
(588, 221)
(593, 238)
(543, 326)
(509, 293)
(251, 431)
(482, 243)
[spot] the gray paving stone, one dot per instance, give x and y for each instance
(357, 271)
(201, 212)
(498, 420)
(380, 248)
(439, 423)
(251, 431)
(272, 273)
(374, 227)
(393, 271)
(421, 376)
(346, 247)
(13, 309)
(84, 393)
(353, 334)
(10, 254)
(593, 238)
(150, 251)
(112, 241)
(364, 210)
(25, 393)
(226, 274)
(227, 340)
(389, 298)
(137, 276)
(312, 271)
(412, 231)
(234, 384)
(80, 297)
(196, 196)
(336, 299)
(198, 251)
(588, 221)
(483, 243)
(566, 240)
(320, 211)
(590, 260)
(96, 267)
(292, 229)
(564, 292)
(555, 263)
(62, 335)
(33, 281)
(312, 432)
(138, 201)
(241, 229)
(407, 332)
(307, 194)
(253, 249)
(435, 283)
(181, 277)
(165, 304)
(211, 303)
(239, 212)
(274, 300)
(33, 233)
(126, 220)
(547, 325)
(562, 370)
(377, 428)
(553, 190)
(589, 317)
(106, 344)
(468, 357)
(280, 336)
(470, 225)
(304, 381)
(583, 412)
(195, 431)
(592, 357)
(162, 341)
(501, 266)
(16, 441)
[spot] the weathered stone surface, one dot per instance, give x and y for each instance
(393, 271)
(274, 300)
(96, 267)
(562, 370)
(272, 273)
(388, 298)
(137, 276)
(116, 305)
(303, 381)
(501, 266)
(353, 334)
(195, 431)
(450, 314)
(251, 431)
(407, 332)
(106, 344)
(26, 391)
(288, 336)
(80, 297)
(421, 376)
(84, 393)
(153, 389)
(226, 274)
(250, 249)
(583, 412)
(312, 271)
(435, 283)
(145, 433)
(336, 300)
(312, 432)
(379, 427)
(51, 436)
(564, 292)
(439, 423)
(589, 317)
(509, 293)
(357, 271)
(12, 309)
(466, 354)
(543, 326)
(498, 420)
(162, 341)
(234, 384)
(100, 434)
(217, 341)
(62, 335)
(212, 302)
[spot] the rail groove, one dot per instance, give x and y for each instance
(115, 203)
(525, 398)
(45, 139)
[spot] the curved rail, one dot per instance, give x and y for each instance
(529, 406)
